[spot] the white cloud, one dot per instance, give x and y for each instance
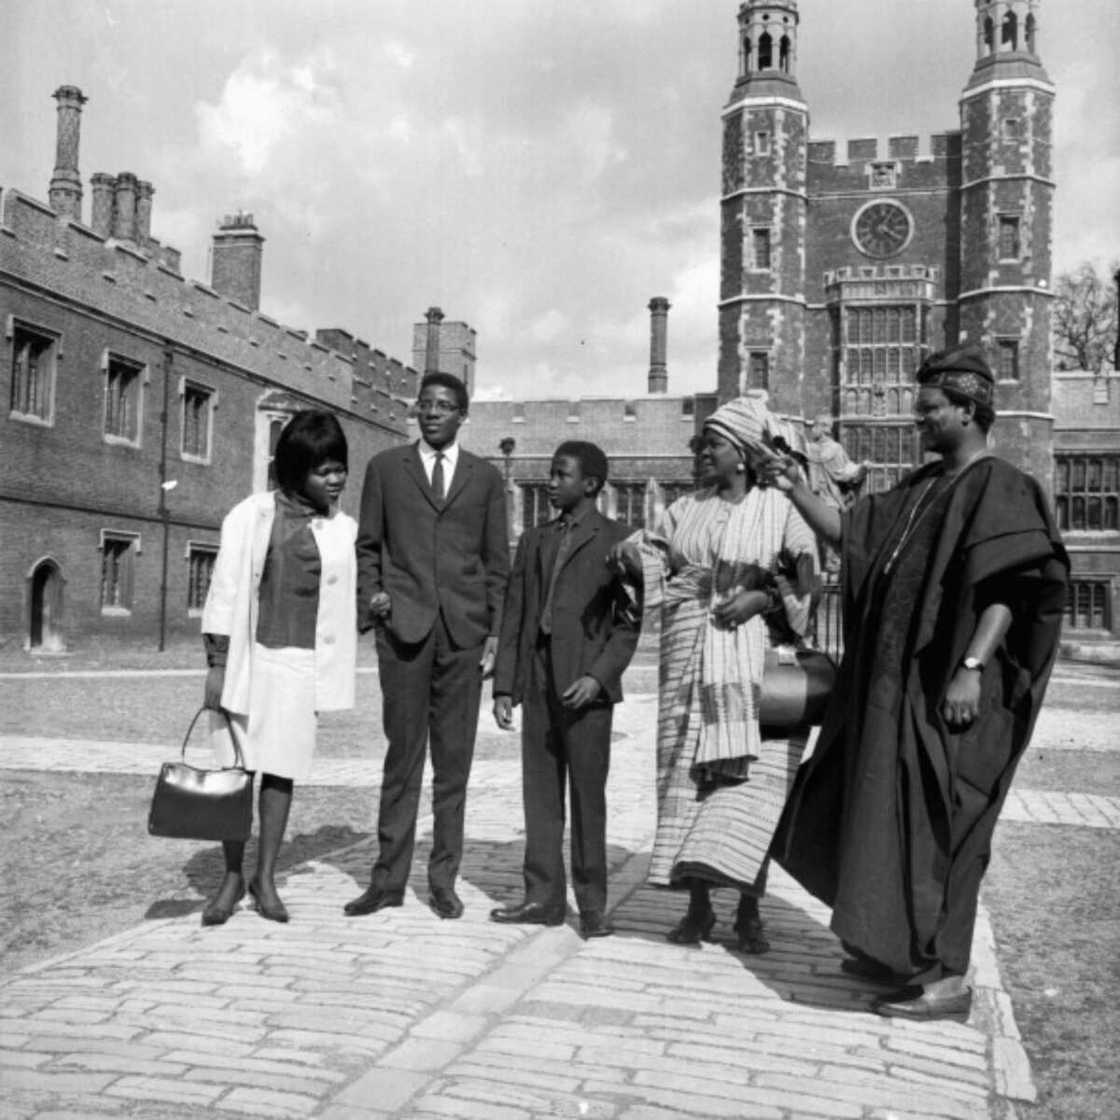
(264, 104)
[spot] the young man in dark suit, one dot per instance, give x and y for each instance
(433, 559)
(568, 632)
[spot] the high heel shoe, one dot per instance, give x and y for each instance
(215, 915)
(693, 928)
(276, 913)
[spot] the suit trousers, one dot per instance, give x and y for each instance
(563, 750)
(430, 694)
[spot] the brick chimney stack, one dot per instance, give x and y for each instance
(124, 206)
(434, 316)
(144, 192)
(65, 193)
(235, 265)
(658, 328)
(103, 187)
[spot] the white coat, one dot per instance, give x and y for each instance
(232, 602)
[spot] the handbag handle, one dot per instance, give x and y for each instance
(238, 760)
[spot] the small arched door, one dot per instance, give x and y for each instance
(45, 629)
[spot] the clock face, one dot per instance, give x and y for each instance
(881, 229)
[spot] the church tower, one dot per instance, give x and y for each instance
(763, 212)
(1006, 219)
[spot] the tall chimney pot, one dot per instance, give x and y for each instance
(434, 316)
(658, 327)
(103, 188)
(124, 207)
(65, 193)
(144, 192)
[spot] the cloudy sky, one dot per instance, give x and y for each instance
(539, 168)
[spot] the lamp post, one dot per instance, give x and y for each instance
(506, 446)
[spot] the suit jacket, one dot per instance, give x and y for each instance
(594, 624)
(232, 601)
(431, 557)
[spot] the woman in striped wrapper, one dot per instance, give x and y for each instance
(732, 568)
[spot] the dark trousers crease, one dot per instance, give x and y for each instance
(431, 693)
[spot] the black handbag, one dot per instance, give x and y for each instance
(193, 804)
(796, 686)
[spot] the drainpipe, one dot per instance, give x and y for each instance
(164, 512)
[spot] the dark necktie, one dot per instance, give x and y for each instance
(562, 550)
(437, 476)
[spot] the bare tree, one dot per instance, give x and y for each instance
(1084, 320)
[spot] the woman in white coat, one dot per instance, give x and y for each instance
(281, 635)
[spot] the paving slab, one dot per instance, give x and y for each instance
(399, 1014)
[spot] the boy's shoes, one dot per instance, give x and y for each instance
(594, 924)
(371, 899)
(445, 902)
(529, 913)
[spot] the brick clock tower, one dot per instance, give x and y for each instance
(842, 268)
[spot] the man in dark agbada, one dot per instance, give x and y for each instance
(954, 585)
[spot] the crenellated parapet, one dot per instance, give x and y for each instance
(891, 163)
(117, 281)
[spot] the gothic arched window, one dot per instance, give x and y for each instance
(765, 51)
(783, 54)
(747, 55)
(989, 36)
(1029, 29)
(1009, 31)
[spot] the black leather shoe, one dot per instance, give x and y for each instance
(867, 969)
(529, 913)
(914, 1003)
(371, 900)
(445, 902)
(594, 924)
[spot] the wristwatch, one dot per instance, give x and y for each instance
(973, 663)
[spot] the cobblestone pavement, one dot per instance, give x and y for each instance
(399, 1014)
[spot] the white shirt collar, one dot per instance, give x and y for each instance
(428, 456)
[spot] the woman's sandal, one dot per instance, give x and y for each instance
(693, 928)
(751, 932)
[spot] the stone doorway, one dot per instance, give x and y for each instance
(45, 615)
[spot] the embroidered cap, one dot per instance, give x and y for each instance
(963, 370)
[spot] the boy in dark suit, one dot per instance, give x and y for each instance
(568, 632)
(433, 557)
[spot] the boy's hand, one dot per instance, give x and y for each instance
(581, 693)
(489, 655)
(380, 606)
(503, 712)
(212, 690)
